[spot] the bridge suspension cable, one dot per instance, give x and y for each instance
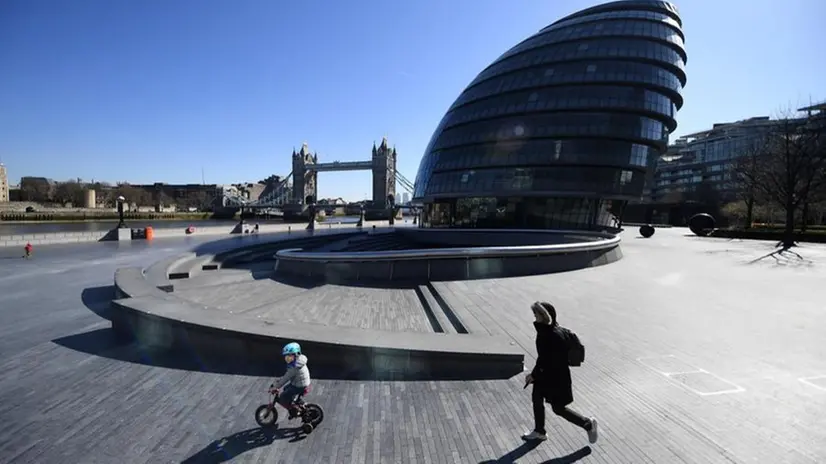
(406, 184)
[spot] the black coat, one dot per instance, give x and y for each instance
(552, 376)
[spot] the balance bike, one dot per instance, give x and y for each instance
(311, 414)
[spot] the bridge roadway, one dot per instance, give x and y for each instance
(694, 355)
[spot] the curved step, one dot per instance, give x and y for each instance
(240, 296)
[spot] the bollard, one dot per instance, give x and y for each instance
(289, 229)
(329, 226)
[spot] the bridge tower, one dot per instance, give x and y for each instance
(304, 179)
(384, 174)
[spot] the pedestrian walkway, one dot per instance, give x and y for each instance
(692, 355)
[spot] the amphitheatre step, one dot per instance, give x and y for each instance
(189, 267)
(386, 309)
(225, 276)
(240, 296)
(158, 321)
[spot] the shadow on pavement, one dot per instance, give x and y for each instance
(785, 257)
(232, 446)
(97, 299)
(107, 343)
(573, 457)
(529, 446)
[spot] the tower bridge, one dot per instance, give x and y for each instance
(294, 191)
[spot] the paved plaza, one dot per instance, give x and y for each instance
(699, 350)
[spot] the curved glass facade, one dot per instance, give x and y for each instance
(561, 130)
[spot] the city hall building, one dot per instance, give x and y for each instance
(561, 131)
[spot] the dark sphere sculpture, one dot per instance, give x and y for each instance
(647, 230)
(702, 224)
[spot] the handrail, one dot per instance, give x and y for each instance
(448, 253)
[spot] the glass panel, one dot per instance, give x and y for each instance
(598, 48)
(612, 125)
(604, 181)
(519, 212)
(544, 152)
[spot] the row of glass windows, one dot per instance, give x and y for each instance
(566, 98)
(668, 177)
(580, 71)
(619, 126)
(724, 149)
(647, 15)
(695, 179)
(601, 180)
(545, 151)
(721, 149)
(597, 49)
(609, 29)
(524, 213)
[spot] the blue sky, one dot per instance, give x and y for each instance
(155, 90)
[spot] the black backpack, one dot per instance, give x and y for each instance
(576, 351)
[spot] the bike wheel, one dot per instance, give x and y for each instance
(313, 414)
(265, 415)
(307, 428)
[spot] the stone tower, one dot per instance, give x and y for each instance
(304, 179)
(384, 174)
(4, 184)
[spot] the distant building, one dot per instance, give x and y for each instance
(332, 201)
(405, 198)
(706, 159)
(4, 184)
(38, 189)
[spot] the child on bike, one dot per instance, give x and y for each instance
(28, 250)
(295, 381)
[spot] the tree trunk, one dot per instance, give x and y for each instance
(788, 232)
(804, 221)
(749, 212)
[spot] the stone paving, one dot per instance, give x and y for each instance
(697, 352)
(392, 309)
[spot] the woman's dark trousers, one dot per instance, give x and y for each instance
(562, 411)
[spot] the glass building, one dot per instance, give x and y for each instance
(561, 130)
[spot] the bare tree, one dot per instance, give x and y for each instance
(744, 174)
(788, 168)
(69, 192)
(134, 196)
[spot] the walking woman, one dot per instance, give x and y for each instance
(551, 378)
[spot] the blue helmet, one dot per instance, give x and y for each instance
(291, 348)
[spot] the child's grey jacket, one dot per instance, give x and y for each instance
(298, 375)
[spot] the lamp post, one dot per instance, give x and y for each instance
(311, 211)
(361, 216)
(121, 224)
(391, 202)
